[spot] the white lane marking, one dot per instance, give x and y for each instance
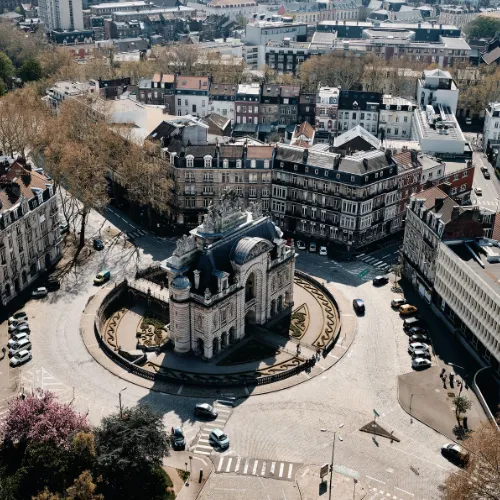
(221, 461)
(180, 389)
(201, 452)
(229, 460)
(254, 470)
(378, 480)
(273, 465)
(245, 469)
(404, 491)
(282, 466)
(263, 471)
(290, 469)
(203, 446)
(237, 468)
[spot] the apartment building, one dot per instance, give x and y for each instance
(108, 8)
(359, 108)
(307, 108)
(432, 216)
(191, 96)
(327, 105)
(30, 239)
(457, 15)
(437, 86)
(269, 109)
(491, 129)
(467, 293)
(247, 103)
(395, 117)
(61, 14)
(202, 172)
(289, 104)
(261, 32)
(347, 201)
(222, 99)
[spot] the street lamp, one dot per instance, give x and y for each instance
(332, 461)
(120, 401)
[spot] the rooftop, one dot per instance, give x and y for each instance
(249, 88)
(438, 123)
(357, 131)
(192, 82)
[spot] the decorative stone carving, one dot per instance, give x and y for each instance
(208, 294)
(255, 208)
(184, 245)
(224, 214)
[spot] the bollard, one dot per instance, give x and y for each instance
(201, 476)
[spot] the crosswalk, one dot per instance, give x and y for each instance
(256, 467)
(203, 446)
(379, 493)
(137, 233)
(487, 203)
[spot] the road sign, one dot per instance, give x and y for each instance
(346, 472)
(363, 273)
(325, 469)
(375, 412)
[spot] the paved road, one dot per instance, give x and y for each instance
(284, 427)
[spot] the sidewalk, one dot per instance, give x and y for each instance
(193, 486)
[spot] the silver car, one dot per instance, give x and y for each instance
(16, 338)
(20, 358)
(417, 346)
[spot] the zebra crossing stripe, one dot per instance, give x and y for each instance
(245, 469)
(229, 460)
(290, 469)
(221, 461)
(263, 471)
(237, 468)
(254, 470)
(282, 466)
(273, 465)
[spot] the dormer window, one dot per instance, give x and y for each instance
(266, 163)
(253, 163)
(238, 163)
(208, 161)
(225, 163)
(189, 161)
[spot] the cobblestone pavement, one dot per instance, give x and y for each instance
(285, 426)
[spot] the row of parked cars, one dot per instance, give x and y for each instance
(19, 343)
(313, 248)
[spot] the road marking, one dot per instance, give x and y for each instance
(245, 469)
(404, 491)
(237, 468)
(273, 465)
(290, 469)
(282, 466)
(201, 452)
(180, 389)
(254, 470)
(263, 471)
(229, 460)
(219, 467)
(378, 480)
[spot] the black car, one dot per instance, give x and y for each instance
(52, 284)
(359, 306)
(416, 330)
(177, 439)
(486, 174)
(98, 245)
(380, 280)
(205, 410)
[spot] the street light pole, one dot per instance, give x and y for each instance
(120, 402)
(331, 466)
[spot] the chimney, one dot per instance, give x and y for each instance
(196, 274)
(365, 163)
(438, 203)
(305, 156)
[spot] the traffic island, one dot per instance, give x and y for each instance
(262, 362)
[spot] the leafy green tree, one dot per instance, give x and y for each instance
(462, 405)
(30, 70)
(482, 27)
(6, 67)
(130, 449)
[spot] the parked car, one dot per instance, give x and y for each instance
(312, 246)
(398, 302)
(411, 322)
(98, 244)
(417, 346)
(63, 228)
(19, 315)
(219, 439)
(22, 345)
(359, 306)
(16, 338)
(407, 310)
(419, 353)
(380, 280)
(416, 330)
(301, 245)
(177, 439)
(52, 284)
(20, 358)
(455, 453)
(205, 410)
(419, 337)
(16, 324)
(478, 191)
(21, 329)
(40, 292)
(323, 251)
(102, 277)
(420, 363)
(486, 174)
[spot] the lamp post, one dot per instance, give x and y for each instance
(120, 401)
(331, 466)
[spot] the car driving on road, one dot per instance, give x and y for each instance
(177, 439)
(205, 410)
(219, 439)
(301, 245)
(455, 453)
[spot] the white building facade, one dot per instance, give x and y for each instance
(327, 105)
(491, 130)
(61, 14)
(395, 117)
(233, 271)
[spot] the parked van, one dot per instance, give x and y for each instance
(22, 345)
(102, 277)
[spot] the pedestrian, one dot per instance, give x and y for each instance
(444, 380)
(318, 353)
(298, 348)
(443, 371)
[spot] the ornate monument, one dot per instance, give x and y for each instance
(233, 270)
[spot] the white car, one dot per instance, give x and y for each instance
(397, 302)
(420, 353)
(301, 245)
(18, 316)
(323, 251)
(417, 346)
(20, 358)
(17, 324)
(39, 292)
(420, 363)
(478, 191)
(24, 328)
(312, 247)
(16, 338)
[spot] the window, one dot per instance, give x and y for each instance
(194, 108)
(266, 163)
(208, 161)
(252, 192)
(189, 161)
(225, 163)
(190, 202)
(186, 102)
(179, 102)
(253, 163)
(226, 178)
(252, 178)
(207, 202)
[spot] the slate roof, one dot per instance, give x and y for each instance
(201, 151)
(227, 151)
(356, 164)
(491, 56)
(431, 195)
(222, 89)
(291, 154)
(270, 90)
(260, 152)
